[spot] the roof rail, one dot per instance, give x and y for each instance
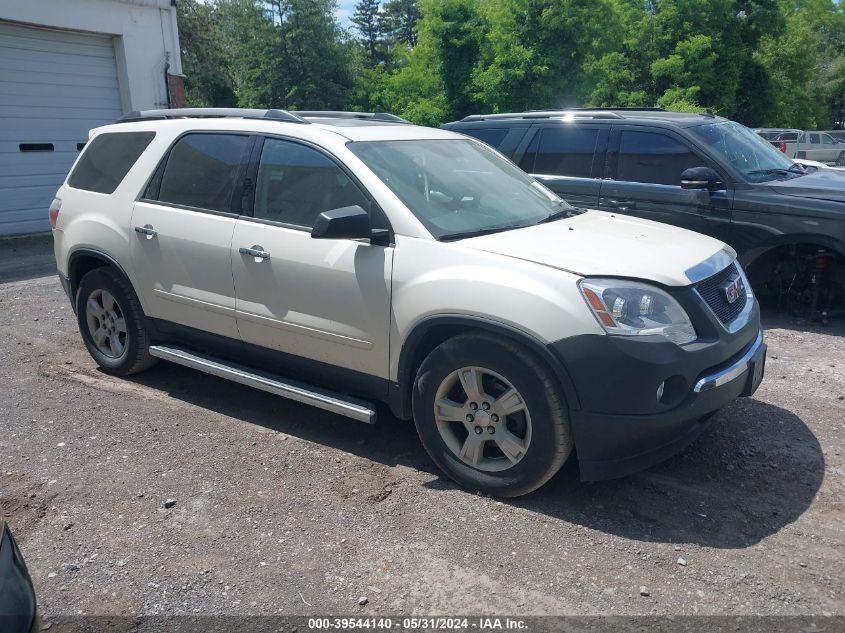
(342, 114)
(544, 114)
(202, 113)
(592, 113)
(604, 109)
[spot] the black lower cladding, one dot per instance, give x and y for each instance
(625, 424)
(17, 597)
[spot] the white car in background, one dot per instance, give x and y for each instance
(815, 146)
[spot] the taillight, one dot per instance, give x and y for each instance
(53, 214)
(782, 146)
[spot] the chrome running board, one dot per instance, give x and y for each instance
(300, 392)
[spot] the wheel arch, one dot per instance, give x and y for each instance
(84, 260)
(749, 257)
(431, 331)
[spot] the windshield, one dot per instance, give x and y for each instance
(757, 159)
(458, 188)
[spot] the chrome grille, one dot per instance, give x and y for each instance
(712, 290)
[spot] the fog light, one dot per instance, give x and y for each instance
(660, 391)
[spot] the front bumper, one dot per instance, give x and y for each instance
(621, 426)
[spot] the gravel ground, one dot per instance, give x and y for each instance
(280, 508)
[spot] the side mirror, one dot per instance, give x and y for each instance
(700, 178)
(345, 223)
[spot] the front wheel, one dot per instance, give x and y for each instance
(840, 160)
(491, 415)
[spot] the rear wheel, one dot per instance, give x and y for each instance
(112, 323)
(802, 155)
(491, 415)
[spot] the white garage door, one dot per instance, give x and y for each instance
(54, 87)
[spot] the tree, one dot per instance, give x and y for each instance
(399, 21)
(536, 51)
(454, 30)
(369, 24)
(207, 80)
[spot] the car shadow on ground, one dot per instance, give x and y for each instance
(754, 471)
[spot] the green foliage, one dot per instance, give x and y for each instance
(761, 62)
(368, 22)
(207, 78)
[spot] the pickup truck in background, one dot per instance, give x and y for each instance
(818, 146)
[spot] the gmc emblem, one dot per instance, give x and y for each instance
(733, 289)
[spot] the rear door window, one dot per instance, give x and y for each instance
(107, 159)
(652, 157)
(814, 139)
(203, 170)
(567, 150)
(492, 136)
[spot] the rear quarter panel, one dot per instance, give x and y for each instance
(102, 222)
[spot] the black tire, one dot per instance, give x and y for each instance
(840, 161)
(551, 437)
(801, 155)
(136, 353)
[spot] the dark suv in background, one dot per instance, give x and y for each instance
(697, 171)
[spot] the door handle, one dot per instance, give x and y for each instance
(146, 230)
(622, 205)
(255, 251)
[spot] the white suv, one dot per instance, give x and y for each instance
(342, 259)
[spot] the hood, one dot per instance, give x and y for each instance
(596, 243)
(824, 184)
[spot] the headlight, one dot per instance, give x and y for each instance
(634, 309)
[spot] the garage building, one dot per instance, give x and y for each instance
(66, 67)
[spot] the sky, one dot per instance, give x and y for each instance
(345, 9)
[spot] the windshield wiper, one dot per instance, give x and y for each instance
(478, 232)
(792, 169)
(566, 212)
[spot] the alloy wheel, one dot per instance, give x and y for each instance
(106, 323)
(483, 419)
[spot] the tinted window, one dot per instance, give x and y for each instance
(814, 138)
(202, 171)
(788, 136)
(107, 159)
(530, 156)
(566, 151)
(492, 136)
(654, 158)
(297, 183)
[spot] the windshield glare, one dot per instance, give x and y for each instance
(745, 150)
(457, 186)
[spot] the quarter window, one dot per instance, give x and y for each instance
(108, 158)
(653, 158)
(566, 151)
(492, 136)
(203, 170)
(296, 184)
